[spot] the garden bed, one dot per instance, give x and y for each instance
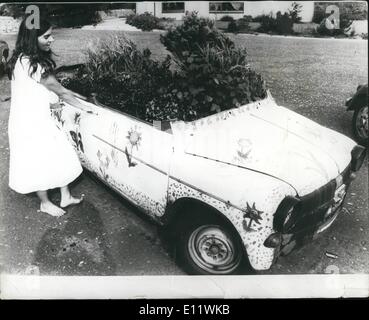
(204, 74)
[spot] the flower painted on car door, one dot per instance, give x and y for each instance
(134, 138)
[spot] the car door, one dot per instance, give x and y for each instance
(129, 155)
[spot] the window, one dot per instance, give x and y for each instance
(173, 7)
(226, 7)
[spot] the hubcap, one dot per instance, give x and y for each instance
(213, 250)
(362, 122)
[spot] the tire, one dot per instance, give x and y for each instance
(208, 246)
(360, 125)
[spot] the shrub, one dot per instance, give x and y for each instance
(247, 18)
(232, 27)
(258, 18)
(212, 74)
(268, 23)
(294, 12)
(166, 23)
(244, 23)
(194, 33)
(344, 22)
(318, 16)
(145, 21)
(217, 78)
(12, 10)
(226, 18)
(241, 25)
(282, 24)
(61, 15)
(76, 19)
(122, 76)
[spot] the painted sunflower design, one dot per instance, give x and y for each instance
(134, 138)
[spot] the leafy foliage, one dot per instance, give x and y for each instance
(121, 76)
(282, 24)
(232, 27)
(241, 25)
(294, 12)
(217, 78)
(193, 34)
(318, 16)
(213, 74)
(210, 75)
(145, 21)
(62, 15)
(226, 18)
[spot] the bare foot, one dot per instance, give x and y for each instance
(70, 201)
(52, 209)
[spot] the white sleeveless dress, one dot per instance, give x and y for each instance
(41, 156)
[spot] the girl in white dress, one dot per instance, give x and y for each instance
(41, 157)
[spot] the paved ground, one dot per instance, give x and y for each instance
(106, 236)
(112, 24)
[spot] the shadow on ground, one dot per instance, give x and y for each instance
(78, 249)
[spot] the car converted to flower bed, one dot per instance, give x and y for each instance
(236, 188)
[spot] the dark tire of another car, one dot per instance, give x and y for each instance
(360, 125)
(208, 246)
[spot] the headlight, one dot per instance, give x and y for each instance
(285, 215)
(358, 154)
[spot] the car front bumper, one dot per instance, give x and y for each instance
(316, 218)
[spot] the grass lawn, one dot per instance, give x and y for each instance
(311, 76)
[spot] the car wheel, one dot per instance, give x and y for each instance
(210, 247)
(360, 125)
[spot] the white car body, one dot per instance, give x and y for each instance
(246, 158)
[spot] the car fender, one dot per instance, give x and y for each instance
(250, 210)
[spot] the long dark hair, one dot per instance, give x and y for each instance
(27, 46)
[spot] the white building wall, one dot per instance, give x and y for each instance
(145, 6)
(253, 8)
(201, 6)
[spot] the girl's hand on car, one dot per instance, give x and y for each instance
(70, 97)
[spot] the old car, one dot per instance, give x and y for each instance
(236, 189)
(359, 104)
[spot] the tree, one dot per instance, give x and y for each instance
(294, 12)
(62, 15)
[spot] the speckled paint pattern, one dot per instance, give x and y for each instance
(260, 257)
(220, 160)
